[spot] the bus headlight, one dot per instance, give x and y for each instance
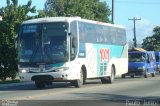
(62, 69)
(23, 70)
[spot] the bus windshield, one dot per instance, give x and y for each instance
(45, 42)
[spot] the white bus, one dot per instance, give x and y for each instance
(71, 49)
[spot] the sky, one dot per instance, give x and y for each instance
(146, 10)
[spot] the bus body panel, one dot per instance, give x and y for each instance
(97, 55)
(100, 58)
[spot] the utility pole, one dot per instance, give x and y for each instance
(112, 11)
(134, 31)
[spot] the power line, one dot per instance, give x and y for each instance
(136, 2)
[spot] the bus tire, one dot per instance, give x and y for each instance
(146, 75)
(104, 80)
(132, 76)
(123, 76)
(40, 84)
(153, 74)
(83, 69)
(111, 78)
(79, 82)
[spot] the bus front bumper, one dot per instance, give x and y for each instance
(136, 72)
(51, 76)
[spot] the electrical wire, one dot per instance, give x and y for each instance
(135, 2)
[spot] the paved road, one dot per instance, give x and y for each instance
(128, 91)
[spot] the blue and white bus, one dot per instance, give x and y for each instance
(71, 49)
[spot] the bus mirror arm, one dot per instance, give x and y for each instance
(69, 34)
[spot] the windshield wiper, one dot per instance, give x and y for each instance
(33, 55)
(48, 55)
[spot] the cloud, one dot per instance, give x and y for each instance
(144, 28)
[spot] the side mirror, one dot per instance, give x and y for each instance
(69, 34)
(74, 42)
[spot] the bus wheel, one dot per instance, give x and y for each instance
(104, 80)
(79, 82)
(153, 74)
(123, 76)
(111, 78)
(132, 76)
(39, 84)
(146, 75)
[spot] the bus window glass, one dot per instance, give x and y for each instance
(47, 42)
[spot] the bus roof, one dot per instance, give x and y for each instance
(68, 19)
(140, 52)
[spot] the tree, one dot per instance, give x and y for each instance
(13, 15)
(152, 42)
(89, 9)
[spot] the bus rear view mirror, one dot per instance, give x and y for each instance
(74, 42)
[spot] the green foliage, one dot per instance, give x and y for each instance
(152, 42)
(41, 14)
(89, 9)
(13, 15)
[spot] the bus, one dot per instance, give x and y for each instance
(71, 49)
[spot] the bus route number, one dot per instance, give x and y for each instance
(104, 55)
